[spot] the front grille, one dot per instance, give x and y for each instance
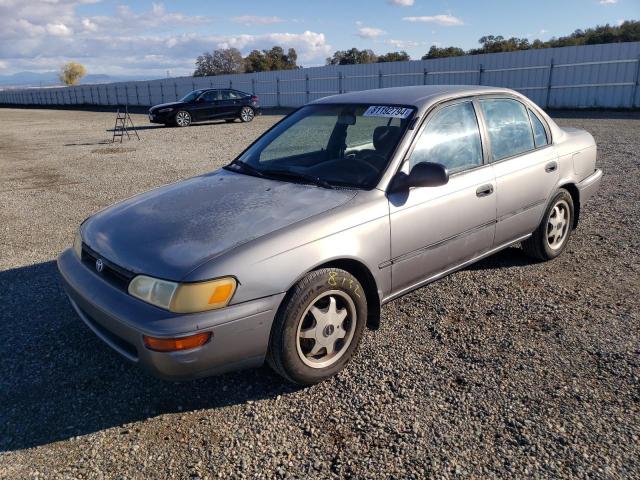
(111, 272)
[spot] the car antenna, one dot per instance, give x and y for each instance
(123, 125)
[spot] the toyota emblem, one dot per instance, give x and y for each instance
(99, 265)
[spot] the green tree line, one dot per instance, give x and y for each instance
(230, 60)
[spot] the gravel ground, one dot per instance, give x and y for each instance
(507, 369)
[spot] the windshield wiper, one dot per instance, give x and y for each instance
(299, 176)
(245, 168)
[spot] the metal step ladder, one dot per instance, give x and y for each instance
(123, 125)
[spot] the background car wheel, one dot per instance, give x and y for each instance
(552, 235)
(247, 114)
(318, 326)
(183, 118)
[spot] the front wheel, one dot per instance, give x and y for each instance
(247, 114)
(183, 118)
(552, 235)
(318, 327)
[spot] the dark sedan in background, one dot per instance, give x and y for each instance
(206, 104)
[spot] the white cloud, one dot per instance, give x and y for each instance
(608, 2)
(444, 20)
(43, 34)
(404, 44)
(250, 20)
(369, 32)
(402, 3)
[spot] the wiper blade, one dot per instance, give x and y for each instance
(300, 176)
(245, 168)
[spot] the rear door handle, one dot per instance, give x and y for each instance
(551, 167)
(484, 190)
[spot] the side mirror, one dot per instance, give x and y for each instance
(200, 100)
(423, 174)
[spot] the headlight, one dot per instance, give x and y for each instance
(77, 244)
(183, 297)
(164, 110)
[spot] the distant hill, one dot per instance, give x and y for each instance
(36, 79)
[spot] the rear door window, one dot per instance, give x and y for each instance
(508, 126)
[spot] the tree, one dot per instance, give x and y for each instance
(437, 52)
(71, 73)
(268, 60)
(352, 57)
(628, 31)
(221, 62)
(394, 57)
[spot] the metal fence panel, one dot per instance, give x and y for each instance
(603, 76)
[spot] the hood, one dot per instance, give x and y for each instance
(165, 105)
(169, 231)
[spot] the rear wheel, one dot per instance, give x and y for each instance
(183, 118)
(247, 114)
(552, 235)
(318, 327)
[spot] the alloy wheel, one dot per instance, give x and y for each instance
(326, 329)
(558, 225)
(246, 114)
(183, 119)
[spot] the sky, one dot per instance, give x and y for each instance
(155, 38)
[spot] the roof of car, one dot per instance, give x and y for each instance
(419, 96)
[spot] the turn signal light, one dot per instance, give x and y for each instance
(176, 344)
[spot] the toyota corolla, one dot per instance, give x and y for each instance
(287, 253)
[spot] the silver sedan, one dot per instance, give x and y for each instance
(287, 253)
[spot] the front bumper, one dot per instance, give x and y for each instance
(240, 333)
(589, 186)
(161, 117)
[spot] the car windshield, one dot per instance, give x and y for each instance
(330, 145)
(191, 96)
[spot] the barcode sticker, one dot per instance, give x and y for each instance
(386, 111)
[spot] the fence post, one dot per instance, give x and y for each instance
(175, 89)
(253, 85)
(549, 79)
(278, 91)
(230, 83)
(339, 82)
(634, 90)
(137, 94)
(306, 87)
(161, 93)
(379, 78)
(480, 70)
(149, 90)
(424, 76)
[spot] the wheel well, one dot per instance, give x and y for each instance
(364, 276)
(575, 196)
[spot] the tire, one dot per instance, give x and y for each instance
(552, 235)
(182, 118)
(326, 310)
(247, 114)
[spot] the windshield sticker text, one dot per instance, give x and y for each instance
(389, 112)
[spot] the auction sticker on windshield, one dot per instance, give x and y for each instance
(386, 111)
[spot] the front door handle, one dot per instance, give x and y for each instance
(551, 167)
(484, 190)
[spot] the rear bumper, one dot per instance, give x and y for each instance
(589, 186)
(240, 333)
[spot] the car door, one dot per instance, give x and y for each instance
(525, 165)
(205, 105)
(230, 104)
(435, 229)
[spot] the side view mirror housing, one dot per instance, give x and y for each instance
(199, 100)
(423, 174)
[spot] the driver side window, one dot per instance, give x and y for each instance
(451, 138)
